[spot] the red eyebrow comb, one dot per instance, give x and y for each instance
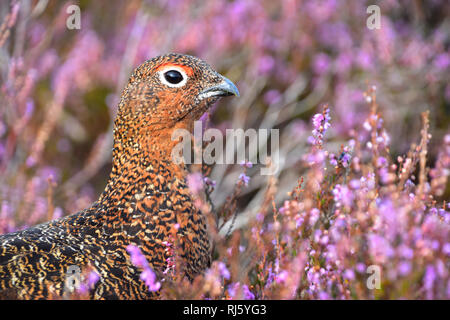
(186, 69)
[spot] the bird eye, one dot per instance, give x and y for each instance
(173, 77)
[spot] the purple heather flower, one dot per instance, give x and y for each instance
(246, 164)
(384, 175)
(266, 64)
(324, 240)
(317, 235)
(299, 221)
(349, 274)
(57, 213)
(298, 128)
(317, 120)
(441, 268)
(324, 295)
(209, 182)
(364, 60)
(29, 109)
(270, 277)
(195, 182)
(316, 157)
(342, 196)
(223, 270)
(354, 184)
(281, 277)
(409, 184)
(447, 139)
(49, 172)
(442, 61)
(149, 277)
(321, 124)
(321, 63)
(382, 162)
(361, 267)
(435, 245)
(446, 248)
(139, 260)
(93, 278)
(343, 63)
(272, 97)
(136, 256)
(31, 161)
(314, 216)
(345, 159)
(248, 295)
(333, 160)
(428, 279)
(234, 287)
(404, 268)
(405, 252)
(380, 248)
(244, 178)
(259, 217)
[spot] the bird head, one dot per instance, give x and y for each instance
(172, 88)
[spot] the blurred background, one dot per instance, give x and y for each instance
(59, 88)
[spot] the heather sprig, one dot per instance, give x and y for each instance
(147, 273)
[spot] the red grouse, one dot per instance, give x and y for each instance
(145, 197)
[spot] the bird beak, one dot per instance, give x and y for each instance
(223, 89)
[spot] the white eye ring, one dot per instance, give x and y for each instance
(163, 79)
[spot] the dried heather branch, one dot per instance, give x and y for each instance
(8, 23)
(423, 153)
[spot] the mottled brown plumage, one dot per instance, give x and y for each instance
(146, 195)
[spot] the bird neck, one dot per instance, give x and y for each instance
(141, 158)
(148, 146)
